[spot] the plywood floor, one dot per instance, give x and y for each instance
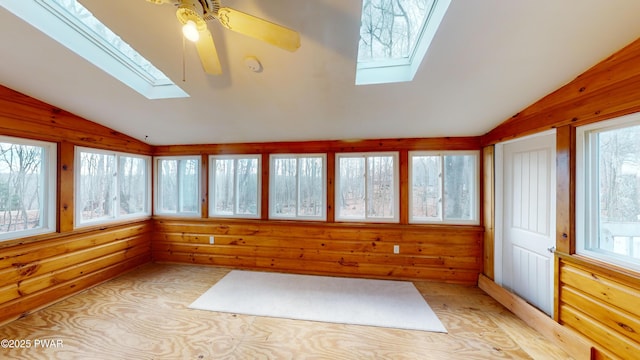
(144, 315)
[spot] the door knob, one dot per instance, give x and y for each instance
(551, 249)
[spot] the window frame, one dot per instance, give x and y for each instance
(297, 156)
(402, 69)
(475, 205)
(587, 193)
(157, 193)
(396, 187)
(48, 181)
(212, 183)
(81, 32)
(115, 217)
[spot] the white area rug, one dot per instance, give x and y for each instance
(386, 303)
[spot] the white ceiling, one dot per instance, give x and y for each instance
(489, 60)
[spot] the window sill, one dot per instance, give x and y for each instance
(628, 275)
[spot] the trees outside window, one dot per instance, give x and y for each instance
(367, 187)
(133, 181)
(27, 187)
(426, 187)
(609, 191)
(394, 38)
(110, 186)
(298, 186)
(443, 187)
(390, 29)
(235, 186)
(96, 186)
(178, 185)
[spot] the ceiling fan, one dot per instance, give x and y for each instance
(195, 28)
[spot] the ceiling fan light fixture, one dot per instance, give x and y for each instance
(192, 14)
(190, 31)
(187, 13)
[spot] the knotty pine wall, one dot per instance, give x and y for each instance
(597, 300)
(427, 252)
(39, 270)
(601, 303)
(607, 90)
(439, 253)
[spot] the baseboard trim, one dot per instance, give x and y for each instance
(571, 342)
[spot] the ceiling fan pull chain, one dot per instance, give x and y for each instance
(184, 66)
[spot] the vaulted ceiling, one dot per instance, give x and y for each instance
(489, 59)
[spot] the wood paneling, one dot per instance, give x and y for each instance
(404, 186)
(565, 189)
(66, 193)
(331, 187)
(442, 253)
(264, 191)
(594, 299)
(443, 143)
(23, 116)
(36, 271)
(445, 253)
(204, 185)
(599, 303)
(488, 213)
(39, 270)
(39, 273)
(608, 89)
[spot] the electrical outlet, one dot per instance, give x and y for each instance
(396, 249)
(211, 240)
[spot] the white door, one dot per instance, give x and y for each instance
(528, 219)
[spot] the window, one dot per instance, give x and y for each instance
(111, 186)
(608, 191)
(298, 187)
(75, 27)
(178, 185)
(443, 187)
(394, 38)
(367, 187)
(235, 186)
(27, 187)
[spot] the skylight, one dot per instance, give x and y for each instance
(72, 25)
(394, 38)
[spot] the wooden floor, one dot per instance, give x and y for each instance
(144, 315)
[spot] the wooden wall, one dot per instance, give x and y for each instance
(38, 270)
(595, 299)
(427, 252)
(602, 304)
(440, 253)
(39, 273)
(26, 117)
(609, 89)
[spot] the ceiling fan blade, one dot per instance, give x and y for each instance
(258, 28)
(160, 2)
(208, 53)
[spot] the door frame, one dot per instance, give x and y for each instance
(499, 206)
